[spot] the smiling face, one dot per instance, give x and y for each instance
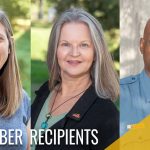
(75, 51)
(145, 47)
(4, 44)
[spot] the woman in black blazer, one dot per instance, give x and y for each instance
(83, 85)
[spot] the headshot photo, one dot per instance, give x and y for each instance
(14, 100)
(74, 74)
(82, 83)
(15, 106)
(134, 64)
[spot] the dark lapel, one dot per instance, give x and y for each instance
(80, 108)
(77, 111)
(83, 104)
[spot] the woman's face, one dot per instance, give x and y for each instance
(75, 51)
(4, 44)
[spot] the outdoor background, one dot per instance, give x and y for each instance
(18, 12)
(44, 12)
(133, 17)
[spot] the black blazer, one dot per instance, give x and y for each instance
(95, 113)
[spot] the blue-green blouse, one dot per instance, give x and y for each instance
(42, 117)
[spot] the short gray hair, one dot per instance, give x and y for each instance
(103, 74)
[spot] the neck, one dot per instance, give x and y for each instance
(75, 85)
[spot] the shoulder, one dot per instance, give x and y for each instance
(105, 114)
(25, 97)
(130, 80)
(103, 111)
(107, 120)
(41, 93)
(26, 106)
(26, 101)
(106, 107)
(44, 87)
(99, 105)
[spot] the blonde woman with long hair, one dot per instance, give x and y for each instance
(14, 102)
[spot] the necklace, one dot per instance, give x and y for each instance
(44, 124)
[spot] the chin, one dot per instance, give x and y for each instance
(76, 74)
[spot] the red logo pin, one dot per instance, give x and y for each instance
(76, 115)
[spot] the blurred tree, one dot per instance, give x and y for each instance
(105, 10)
(16, 8)
(19, 15)
(40, 15)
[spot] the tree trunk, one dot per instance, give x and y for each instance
(133, 17)
(40, 15)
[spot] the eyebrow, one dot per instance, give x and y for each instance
(87, 41)
(81, 41)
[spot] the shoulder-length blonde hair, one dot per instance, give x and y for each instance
(103, 75)
(10, 85)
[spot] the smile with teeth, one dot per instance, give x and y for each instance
(74, 62)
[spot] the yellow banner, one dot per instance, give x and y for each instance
(137, 138)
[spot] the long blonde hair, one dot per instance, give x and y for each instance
(10, 85)
(103, 74)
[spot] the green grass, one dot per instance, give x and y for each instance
(22, 38)
(39, 44)
(39, 75)
(39, 71)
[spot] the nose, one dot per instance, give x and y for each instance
(75, 51)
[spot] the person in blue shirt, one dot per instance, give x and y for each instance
(135, 90)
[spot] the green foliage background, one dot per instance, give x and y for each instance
(106, 11)
(18, 12)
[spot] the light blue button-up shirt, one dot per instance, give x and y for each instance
(134, 100)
